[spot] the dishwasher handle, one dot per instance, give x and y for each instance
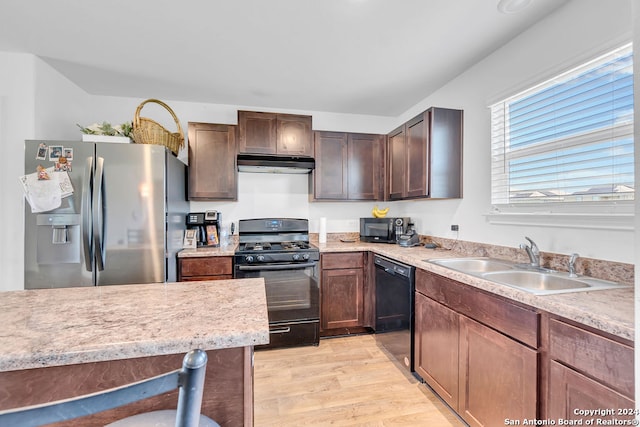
(392, 267)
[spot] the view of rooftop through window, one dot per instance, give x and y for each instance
(569, 139)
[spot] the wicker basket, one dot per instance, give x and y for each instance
(147, 131)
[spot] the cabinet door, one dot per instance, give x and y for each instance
(417, 149)
(257, 132)
(342, 298)
(498, 377)
(397, 164)
(445, 148)
(294, 135)
(569, 390)
(330, 174)
(436, 337)
(212, 162)
(365, 167)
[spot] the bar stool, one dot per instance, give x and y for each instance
(189, 380)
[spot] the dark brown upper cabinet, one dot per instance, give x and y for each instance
(212, 162)
(349, 166)
(425, 156)
(274, 134)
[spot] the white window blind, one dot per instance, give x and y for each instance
(569, 139)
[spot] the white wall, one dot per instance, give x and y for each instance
(577, 31)
(37, 102)
(17, 76)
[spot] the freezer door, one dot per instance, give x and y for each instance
(129, 214)
(56, 249)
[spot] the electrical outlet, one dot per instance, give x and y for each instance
(454, 227)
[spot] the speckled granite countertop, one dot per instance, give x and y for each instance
(611, 311)
(51, 327)
(208, 251)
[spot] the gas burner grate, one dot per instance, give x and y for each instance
(257, 246)
(295, 245)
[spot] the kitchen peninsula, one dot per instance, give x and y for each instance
(57, 343)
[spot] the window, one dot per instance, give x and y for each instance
(569, 139)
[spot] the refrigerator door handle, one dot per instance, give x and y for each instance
(85, 209)
(98, 214)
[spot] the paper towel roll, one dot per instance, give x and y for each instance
(322, 238)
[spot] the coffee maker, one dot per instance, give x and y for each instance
(207, 226)
(410, 237)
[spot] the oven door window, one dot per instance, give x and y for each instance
(292, 291)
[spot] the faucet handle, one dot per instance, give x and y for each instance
(534, 247)
(572, 264)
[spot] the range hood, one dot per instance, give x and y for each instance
(275, 164)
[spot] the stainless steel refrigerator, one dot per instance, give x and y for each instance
(123, 223)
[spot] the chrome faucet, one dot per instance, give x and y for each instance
(533, 252)
(572, 265)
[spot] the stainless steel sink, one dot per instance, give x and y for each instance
(521, 276)
(539, 283)
(549, 283)
(473, 265)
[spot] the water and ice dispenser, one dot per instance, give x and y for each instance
(58, 238)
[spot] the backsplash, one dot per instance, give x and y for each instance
(601, 269)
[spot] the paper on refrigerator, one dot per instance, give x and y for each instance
(46, 194)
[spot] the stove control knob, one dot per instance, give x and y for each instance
(296, 257)
(260, 258)
(305, 256)
(249, 259)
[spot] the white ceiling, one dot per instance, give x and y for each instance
(375, 57)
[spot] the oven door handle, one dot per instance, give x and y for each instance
(274, 267)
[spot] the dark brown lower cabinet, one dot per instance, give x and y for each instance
(498, 377)
(205, 268)
(495, 361)
(342, 291)
(588, 371)
(436, 347)
(481, 371)
(569, 390)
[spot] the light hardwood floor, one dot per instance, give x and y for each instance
(347, 381)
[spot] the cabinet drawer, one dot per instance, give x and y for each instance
(343, 260)
(596, 356)
(513, 320)
(292, 334)
(210, 266)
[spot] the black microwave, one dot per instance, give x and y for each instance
(383, 230)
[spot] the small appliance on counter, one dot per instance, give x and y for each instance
(383, 230)
(410, 238)
(207, 226)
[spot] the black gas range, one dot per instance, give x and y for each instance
(278, 250)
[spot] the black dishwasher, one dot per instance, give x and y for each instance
(394, 308)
